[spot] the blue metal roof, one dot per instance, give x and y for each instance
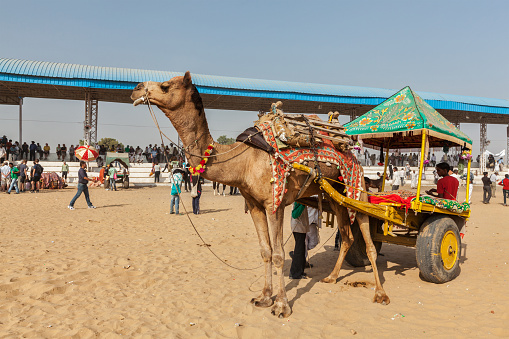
(52, 73)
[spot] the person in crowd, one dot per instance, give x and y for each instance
(35, 176)
(187, 178)
(300, 227)
(14, 178)
(505, 188)
(216, 186)
(32, 148)
(408, 171)
(493, 179)
(65, 170)
(414, 179)
(486, 182)
(71, 153)
(176, 183)
(391, 170)
(402, 176)
(24, 151)
(112, 173)
(5, 171)
(153, 155)
(63, 152)
(157, 171)
(58, 151)
(8, 145)
(23, 175)
(102, 174)
(46, 150)
(83, 180)
(2, 153)
(395, 180)
(447, 186)
(233, 190)
(13, 153)
(196, 183)
(470, 185)
(39, 150)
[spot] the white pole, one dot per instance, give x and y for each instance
(20, 121)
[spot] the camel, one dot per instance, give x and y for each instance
(249, 169)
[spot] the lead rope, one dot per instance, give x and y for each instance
(180, 200)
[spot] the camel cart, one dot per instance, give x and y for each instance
(123, 174)
(431, 225)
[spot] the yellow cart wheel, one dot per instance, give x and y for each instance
(438, 249)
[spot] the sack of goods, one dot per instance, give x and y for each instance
(299, 130)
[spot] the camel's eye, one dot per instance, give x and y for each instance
(165, 86)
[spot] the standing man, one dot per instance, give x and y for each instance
(14, 178)
(82, 186)
(486, 182)
(65, 170)
(63, 151)
(22, 174)
(33, 148)
(395, 180)
(493, 179)
(447, 187)
(300, 226)
(505, 189)
(5, 171)
(35, 176)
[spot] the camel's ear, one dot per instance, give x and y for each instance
(187, 79)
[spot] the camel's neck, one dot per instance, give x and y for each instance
(192, 127)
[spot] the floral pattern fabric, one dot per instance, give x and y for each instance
(404, 111)
(449, 205)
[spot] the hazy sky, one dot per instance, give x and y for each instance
(454, 47)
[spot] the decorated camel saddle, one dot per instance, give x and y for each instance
(291, 138)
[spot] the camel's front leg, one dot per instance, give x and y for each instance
(380, 295)
(346, 239)
(260, 221)
(281, 307)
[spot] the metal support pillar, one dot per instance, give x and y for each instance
(507, 150)
(353, 114)
(483, 143)
(90, 123)
(20, 121)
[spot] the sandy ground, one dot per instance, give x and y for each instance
(131, 269)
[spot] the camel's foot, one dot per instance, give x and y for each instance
(281, 309)
(262, 301)
(381, 298)
(329, 280)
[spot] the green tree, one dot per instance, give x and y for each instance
(108, 142)
(223, 140)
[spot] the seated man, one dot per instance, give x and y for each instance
(447, 186)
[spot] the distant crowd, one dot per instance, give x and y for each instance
(13, 151)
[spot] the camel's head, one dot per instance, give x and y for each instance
(169, 95)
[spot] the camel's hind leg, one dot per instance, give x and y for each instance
(281, 307)
(346, 239)
(260, 220)
(380, 295)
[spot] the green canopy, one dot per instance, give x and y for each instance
(402, 118)
(123, 158)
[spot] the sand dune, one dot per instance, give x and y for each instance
(129, 269)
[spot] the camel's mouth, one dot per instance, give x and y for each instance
(140, 100)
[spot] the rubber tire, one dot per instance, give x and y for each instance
(428, 247)
(106, 184)
(125, 184)
(356, 255)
